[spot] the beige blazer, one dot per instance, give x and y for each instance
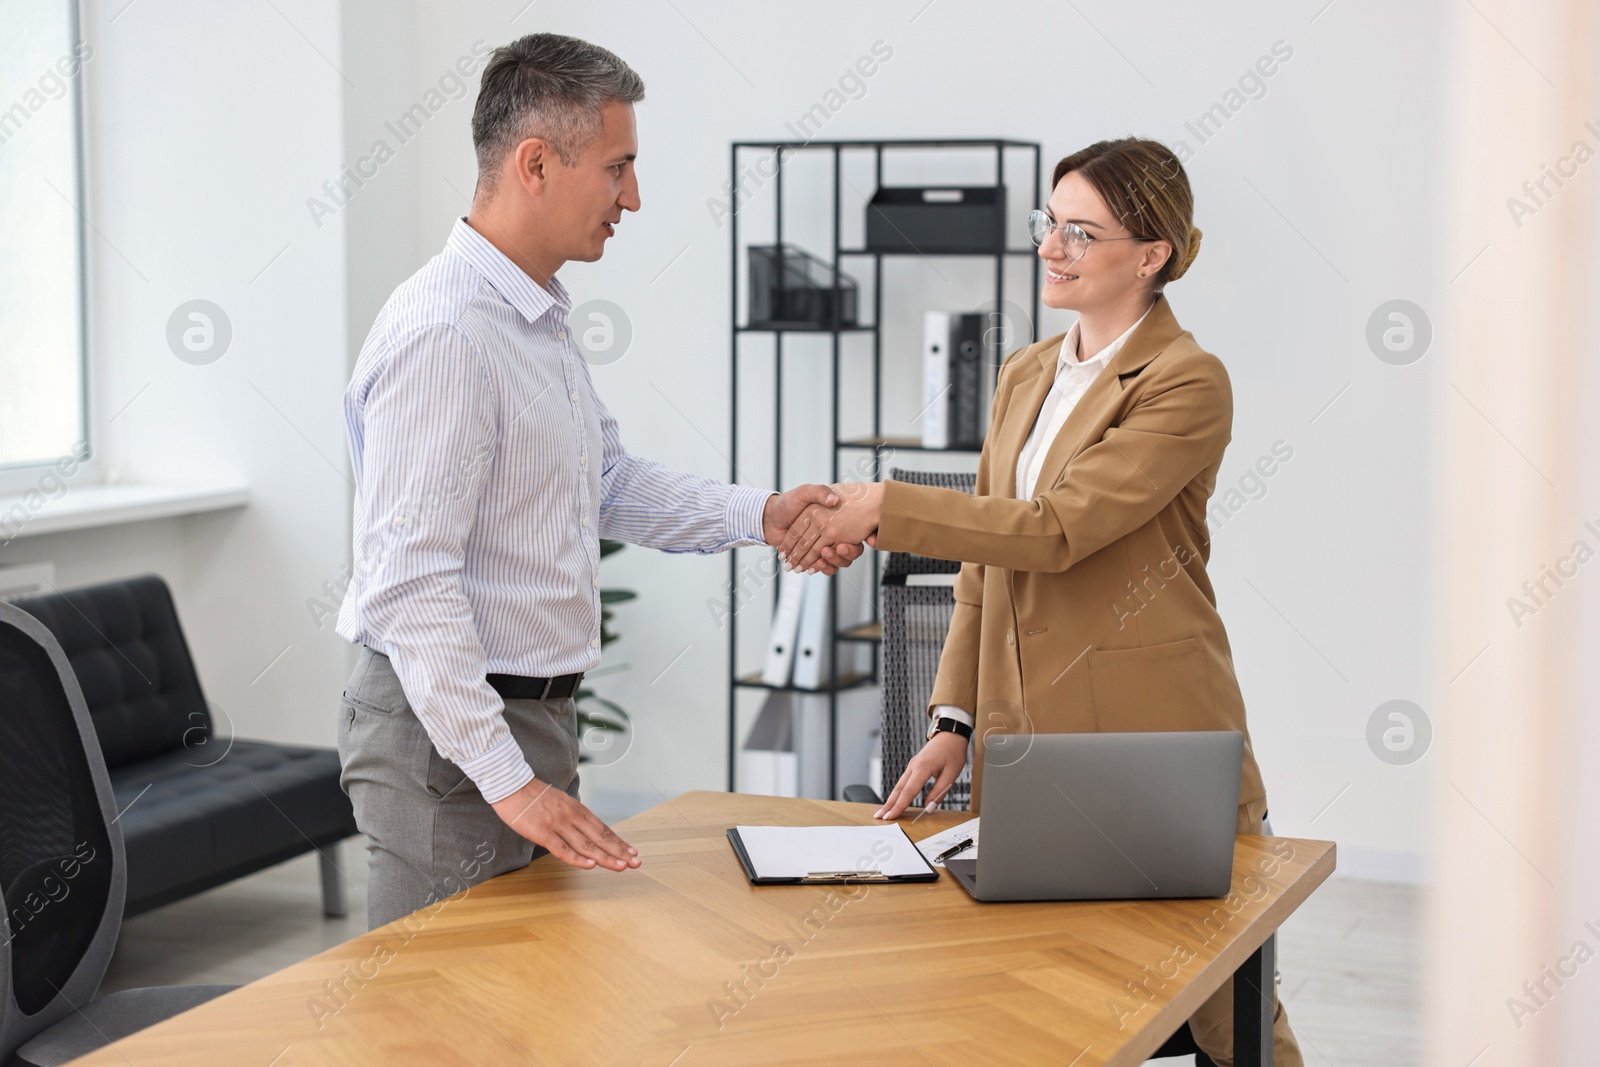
(1088, 608)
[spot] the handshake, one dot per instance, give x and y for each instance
(819, 528)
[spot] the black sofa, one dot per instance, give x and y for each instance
(197, 809)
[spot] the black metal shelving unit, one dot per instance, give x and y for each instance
(875, 442)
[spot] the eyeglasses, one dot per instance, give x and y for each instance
(1074, 241)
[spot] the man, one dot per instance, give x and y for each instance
(487, 469)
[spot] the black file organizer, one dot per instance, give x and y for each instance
(790, 287)
(938, 219)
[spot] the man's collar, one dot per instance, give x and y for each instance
(532, 300)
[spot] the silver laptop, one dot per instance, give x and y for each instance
(1106, 816)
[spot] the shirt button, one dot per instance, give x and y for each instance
(584, 521)
(596, 581)
(573, 396)
(1011, 637)
(561, 335)
(594, 642)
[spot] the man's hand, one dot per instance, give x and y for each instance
(783, 509)
(573, 835)
(852, 520)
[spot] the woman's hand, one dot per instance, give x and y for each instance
(940, 759)
(853, 520)
(781, 511)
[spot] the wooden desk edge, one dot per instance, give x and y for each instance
(1220, 970)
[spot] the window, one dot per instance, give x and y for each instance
(43, 387)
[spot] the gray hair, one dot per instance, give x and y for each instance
(547, 86)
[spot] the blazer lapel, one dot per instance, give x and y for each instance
(1027, 401)
(1088, 421)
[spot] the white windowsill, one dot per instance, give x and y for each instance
(85, 506)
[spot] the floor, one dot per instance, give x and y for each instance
(1348, 959)
(241, 931)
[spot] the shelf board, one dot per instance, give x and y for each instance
(851, 680)
(903, 444)
(925, 253)
(867, 631)
(798, 328)
(946, 142)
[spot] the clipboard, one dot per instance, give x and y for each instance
(824, 855)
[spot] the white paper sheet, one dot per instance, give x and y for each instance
(932, 846)
(797, 851)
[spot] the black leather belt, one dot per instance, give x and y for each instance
(517, 687)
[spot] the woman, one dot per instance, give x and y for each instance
(1083, 602)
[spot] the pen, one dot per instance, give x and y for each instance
(960, 846)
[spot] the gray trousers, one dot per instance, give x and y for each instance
(430, 834)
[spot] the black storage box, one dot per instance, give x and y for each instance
(937, 219)
(790, 287)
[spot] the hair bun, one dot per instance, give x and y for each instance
(1189, 252)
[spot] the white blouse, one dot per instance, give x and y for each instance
(1073, 378)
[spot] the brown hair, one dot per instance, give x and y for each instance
(1146, 188)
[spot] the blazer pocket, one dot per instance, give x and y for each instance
(1158, 687)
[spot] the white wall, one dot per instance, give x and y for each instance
(207, 127)
(1317, 204)
(1316, 200)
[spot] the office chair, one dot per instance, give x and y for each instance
(62, 872)
(916, 619)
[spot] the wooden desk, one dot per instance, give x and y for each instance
(684, 963)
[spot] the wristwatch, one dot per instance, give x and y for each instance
(945, 723)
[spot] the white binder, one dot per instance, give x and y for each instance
(779, 664)
(813, 649)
